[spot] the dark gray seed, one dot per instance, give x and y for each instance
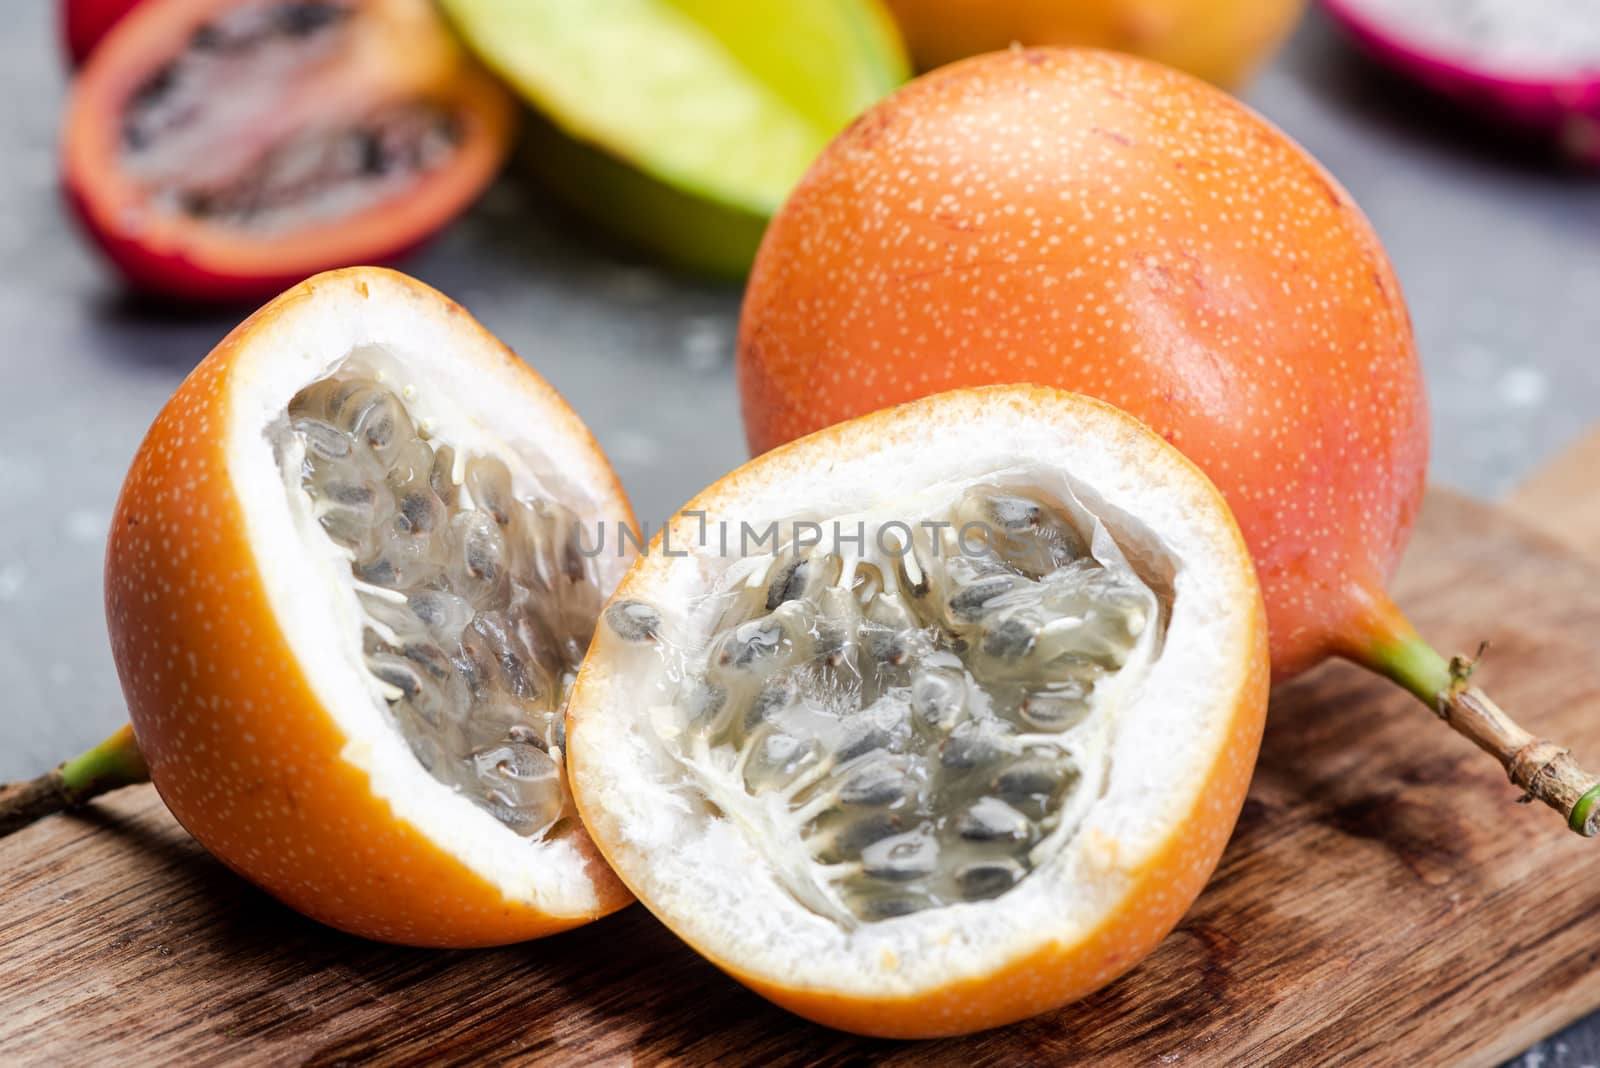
(435, 608)
(428, 608)
(1011, 639)
(987, 879)
(482, 548)
(474, 664)
(917, 589)
(972, 602)
(751, 642)
(988, 566)
(574, 564)
(1054, 711)
(885, 644)
(774, 696)
(521, 777)
(520, 820)
(865, 830)
(509, 655)
(989, 820)
(937, 698)
(323, 440)
(351, 494)
(829, 642)
(489, 481)
(633, 621)
(140, 127)
(206, 38)
(417, 513)
(396, 673)
(378, 421)
(861, 739)
(888, 907)
(369, 151)
(379, 572)
(521, 732)
(366, 413)
(306, 18)
(1031, 779)
(524, 821)
(430, 658)
(877, 784)
(440, 479)
(901, 858)
(1015, 513)
(513, 759)
(788, 586)
(339, 396)
(966, 749)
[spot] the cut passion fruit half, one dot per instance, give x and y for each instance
(223, 149)
(347, 592)
(932, 720)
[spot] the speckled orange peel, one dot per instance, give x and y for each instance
(239, 644)
(1108, 225)
(1183, 738)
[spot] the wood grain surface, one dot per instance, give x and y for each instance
(1383, 901)
(1563, 497)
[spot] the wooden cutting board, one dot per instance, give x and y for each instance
(1383, 901)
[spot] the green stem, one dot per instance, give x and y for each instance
(111, 765)
(1544, 770)
(1585, 818)
(1414, 664)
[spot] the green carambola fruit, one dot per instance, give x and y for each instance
(682, 124)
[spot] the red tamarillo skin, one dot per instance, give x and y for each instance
(1107, 225)
(84, 22)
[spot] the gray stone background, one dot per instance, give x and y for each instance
(1499, 254)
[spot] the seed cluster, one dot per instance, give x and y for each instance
(226, 50)
(478, 605)
(923, 720)
(324, 173)
(195, 160)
